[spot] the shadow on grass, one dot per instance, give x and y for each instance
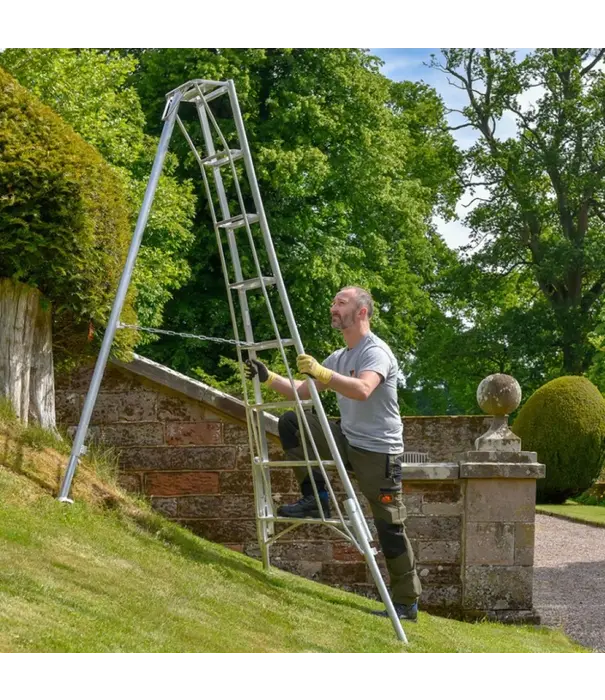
(12, 454)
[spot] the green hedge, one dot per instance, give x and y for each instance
(564, 422)
(64, 225)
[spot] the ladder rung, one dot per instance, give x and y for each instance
(238, 221)
(294, 463)
(253, 283)
(279, 404)
(269, 344)
(221, 158)
(311, 521)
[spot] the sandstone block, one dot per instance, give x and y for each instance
(198, 433)
(180, 483)
(439, 551)
(177, 458)
(490, 543)
(524, 544)
(510, 500)
(498, 587)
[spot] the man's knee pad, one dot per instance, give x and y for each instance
(391, 539)
(287, 427)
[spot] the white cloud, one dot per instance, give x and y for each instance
(454, 233)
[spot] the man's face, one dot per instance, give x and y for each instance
(344, 309)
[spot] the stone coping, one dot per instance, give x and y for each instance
(486, 464)
(501, 470)
(431, 470)
(194, 389)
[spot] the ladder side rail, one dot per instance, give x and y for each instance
(262, 498)
(263, 448)
(262, 488)
(273, 321)
(352, 505)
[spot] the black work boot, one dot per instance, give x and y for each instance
(306, 507)
(404, 612)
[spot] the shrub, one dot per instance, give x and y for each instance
(64, 225)
(564, 422)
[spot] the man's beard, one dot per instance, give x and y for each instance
(343, 322)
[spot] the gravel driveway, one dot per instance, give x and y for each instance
(569, 579)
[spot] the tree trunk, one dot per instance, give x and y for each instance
(574, 343)
(42, 378)
(18, 311)
(573, 357)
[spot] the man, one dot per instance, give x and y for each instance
(368, 435)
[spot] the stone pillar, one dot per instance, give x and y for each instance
(499, 513)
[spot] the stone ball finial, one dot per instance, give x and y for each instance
(499, 394)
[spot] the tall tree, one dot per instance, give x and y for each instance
(541, 211)
(483, 323)
(351, 168)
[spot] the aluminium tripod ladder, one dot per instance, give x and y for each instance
(222, 165)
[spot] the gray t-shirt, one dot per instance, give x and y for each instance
(374, 424)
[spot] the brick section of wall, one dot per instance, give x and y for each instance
(194, 465)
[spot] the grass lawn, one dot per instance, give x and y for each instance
(592, 515)
(108, 575)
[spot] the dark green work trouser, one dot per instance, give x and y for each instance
(379, 478)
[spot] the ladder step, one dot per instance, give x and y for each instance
(279, 404)
(294, 463)
(222, 158)
(253, 283)
(238, 221)
(269, 344)
(311, 521)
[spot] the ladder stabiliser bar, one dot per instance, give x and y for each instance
(244, 272)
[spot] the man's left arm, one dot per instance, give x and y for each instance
(357, 388)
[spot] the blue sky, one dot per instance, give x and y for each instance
(409, 64)
(406, 64)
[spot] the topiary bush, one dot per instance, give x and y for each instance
(64, 220)
(564, 422)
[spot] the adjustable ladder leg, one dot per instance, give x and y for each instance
(170, 115)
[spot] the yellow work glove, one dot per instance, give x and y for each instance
(309, 365)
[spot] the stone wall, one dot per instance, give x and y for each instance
(185, 447)
(443, 436)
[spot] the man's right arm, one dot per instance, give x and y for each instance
(283, 386)
(278, 383)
